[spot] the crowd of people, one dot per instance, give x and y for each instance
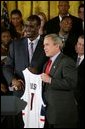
(31, 44)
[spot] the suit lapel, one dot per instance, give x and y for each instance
(81, 63)
(38, 49)
(25, 52)
(56, 64)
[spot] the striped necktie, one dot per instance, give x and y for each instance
(78, 61)
(31, 50)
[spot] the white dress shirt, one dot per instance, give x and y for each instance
(81, 59)
(35, 42)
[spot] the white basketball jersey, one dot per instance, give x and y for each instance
(32, 114)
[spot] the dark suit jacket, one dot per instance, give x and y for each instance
(81, 82)
(61, 106)
(18, 59)
(79, 92)
(69, 48)
(52, 26)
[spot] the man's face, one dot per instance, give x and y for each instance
(49, 47)
(63, 7)
(81, 13)
(31, 29)
(66, 25)
(80, 46)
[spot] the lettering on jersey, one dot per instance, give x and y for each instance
(33, 86)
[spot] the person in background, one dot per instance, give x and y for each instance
(5, 42)
(69, 39)
(16, 24)
(2, 23)
(59, 82)
(79, 92)
(43, 21)
(81, 14)
(52, 26)
(6, 39)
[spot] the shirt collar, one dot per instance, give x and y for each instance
(60, 18)
(63, 37)
(82, 57)
(54, 57)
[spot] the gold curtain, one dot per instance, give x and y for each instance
(74, 7)
(48, 7)
(25, 8)
(11, 5)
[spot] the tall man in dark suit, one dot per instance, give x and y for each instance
(20, 53)
(52, 26)
(69, 39)
(20, 56)
(60, 83)
(79, 93)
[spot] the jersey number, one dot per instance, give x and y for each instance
(31, 105)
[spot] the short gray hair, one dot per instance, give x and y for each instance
(56, 39)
